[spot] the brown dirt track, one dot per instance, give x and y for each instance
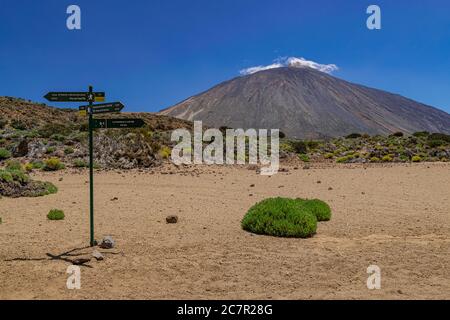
(397, 217)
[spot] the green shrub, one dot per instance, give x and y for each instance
(304, 157)
(421, 134)
(50, 150)
(18, 124)
(57, 137)
(298, 146)
(345, 159)
(4, 154)
(439, 136)
(3, 122)
(386, 158)
(312, 144)
(69, 150)
(55, 214)
(50, 129)
(280, 217)
(6, 176)
(374, 159)
(37, 164)
(53, 164)
(329, 156)
(79, 163)
(435, 143)
(13, 165)
(19, 176)
(28, 167)
(320, 209)
(354, 136)
(416, 159)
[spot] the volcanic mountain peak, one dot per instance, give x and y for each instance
(306, 103)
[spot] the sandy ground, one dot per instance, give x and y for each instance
(396, 217)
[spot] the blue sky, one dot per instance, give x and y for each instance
(152, 54)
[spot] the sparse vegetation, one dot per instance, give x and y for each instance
(15, 182)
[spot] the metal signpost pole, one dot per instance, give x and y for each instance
(91, 167)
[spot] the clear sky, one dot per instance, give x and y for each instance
(154, 53)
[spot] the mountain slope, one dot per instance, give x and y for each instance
(305, 103)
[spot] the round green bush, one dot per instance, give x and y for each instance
(55, 214)
(320, 209)
(280, 217)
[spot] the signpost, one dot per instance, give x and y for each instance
(74, 96)
(104, 107)
(90, 110)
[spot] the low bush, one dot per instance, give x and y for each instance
(280, 217)
(397, 134)
(435, 143)
(13, 165)
(416, 159)
(50, 150)
(79, 163)
(164, 152)
(18, 124)
(439, 136)
(69, 150)
(53, 164)
(298, 146)
(4, 154)
(421, 134)
(50, 129)
(3, 122)
(387, 158)
(374, 159)
(37, 164)
(55, 214)
(304, 157)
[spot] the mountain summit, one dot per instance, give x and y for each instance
(306, 103)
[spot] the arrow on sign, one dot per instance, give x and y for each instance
(104, 107)
(118, 123)
(74, 96)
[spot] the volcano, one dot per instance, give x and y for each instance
(308, 104)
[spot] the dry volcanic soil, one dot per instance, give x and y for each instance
(395, 216)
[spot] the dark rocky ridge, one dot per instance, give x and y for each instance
(305, 103)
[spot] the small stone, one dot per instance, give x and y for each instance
(60, 179)
(107, 243)
(318, 181)
(80, 261)
(330, 188)
(114, 199)
(252, 185)
(172, 219)
(97, 255)
(306, 167)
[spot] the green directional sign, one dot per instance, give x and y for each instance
(75, 96)
(104, 107)
(118, 123)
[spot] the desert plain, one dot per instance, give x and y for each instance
(395, 216)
